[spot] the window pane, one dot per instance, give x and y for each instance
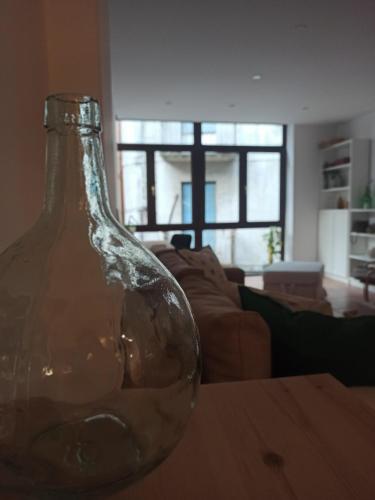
(173, 197)
(263, 187)
(134, 187)
(242, 134)
(155, 132)
(246, 248)
(222, 187)
(218, 133)
(162, 236)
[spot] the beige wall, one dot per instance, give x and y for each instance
(22, 137)
(48, 46)
(78, 52)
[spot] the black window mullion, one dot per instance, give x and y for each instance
(154, 147)
(151, 187)
(198, 178)
(243, 187)
(197, 173)
(197, 134)
(283, 193)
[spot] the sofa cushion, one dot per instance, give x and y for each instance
(207, 261)
(306, 342)
(175, 263)
(235, 343)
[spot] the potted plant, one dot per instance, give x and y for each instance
(274, 243)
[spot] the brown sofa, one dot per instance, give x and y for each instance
(235, 343)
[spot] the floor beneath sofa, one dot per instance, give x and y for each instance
(343, 297)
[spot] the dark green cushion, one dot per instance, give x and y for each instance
(308, 342)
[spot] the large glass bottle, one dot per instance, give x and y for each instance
(99, 354)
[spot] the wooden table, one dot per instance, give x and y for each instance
(305, 438)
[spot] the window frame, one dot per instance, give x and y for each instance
(198, 150)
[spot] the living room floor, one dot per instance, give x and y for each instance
(344, 298)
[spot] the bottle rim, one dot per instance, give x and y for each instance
(64, 111)
(72, 97)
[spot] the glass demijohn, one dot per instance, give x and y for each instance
(99, 354)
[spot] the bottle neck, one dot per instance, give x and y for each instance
(75, 184)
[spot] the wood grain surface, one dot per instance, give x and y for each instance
(298, 438)
(305, 438)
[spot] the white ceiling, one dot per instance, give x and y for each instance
(194, 59)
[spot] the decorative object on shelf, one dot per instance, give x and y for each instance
(371, 252)
(342, 203)
(366, 199)
(274, 243)
(99, 364)
(337, 162)
(370, 229)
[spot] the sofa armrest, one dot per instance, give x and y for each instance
(235, 346)
(235, 274)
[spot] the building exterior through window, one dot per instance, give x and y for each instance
(223, 183)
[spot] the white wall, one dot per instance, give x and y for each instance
(361, 127)
(303, 185)
(48, 46)
(78, 53)
(22, 137)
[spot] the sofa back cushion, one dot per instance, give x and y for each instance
(207, 261)
(176, 264)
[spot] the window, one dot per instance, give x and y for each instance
(263, 186)
(171, 167)
(242, 134)
(155, 132)
(223, 170)
(134, 187)
(223, 183)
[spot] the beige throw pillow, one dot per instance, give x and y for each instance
(175, 263)
(207, 261)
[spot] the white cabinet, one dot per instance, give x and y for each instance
(334, 242)
(344, 177)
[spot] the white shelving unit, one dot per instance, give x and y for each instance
(344, 242)
(338, 167)
(362, 235)
(361, 258)
(336, 189)
(338, 145)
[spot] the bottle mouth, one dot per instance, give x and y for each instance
(71, 110)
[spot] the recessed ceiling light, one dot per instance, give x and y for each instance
(257, 77)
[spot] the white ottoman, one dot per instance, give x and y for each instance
(304, 279)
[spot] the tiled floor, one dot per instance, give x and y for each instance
(344, 298)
